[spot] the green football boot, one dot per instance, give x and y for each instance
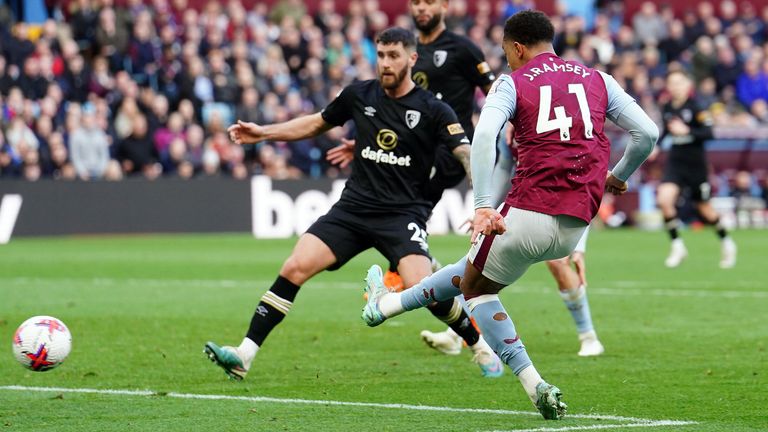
(226, 357)
(548, 401)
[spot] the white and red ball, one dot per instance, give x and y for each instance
(41, 343)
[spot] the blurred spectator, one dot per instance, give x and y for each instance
(649, 25)
(704, 59)
(31, 82)
(111, 38)
(675, 43)
(136, 152)
(728, 69)
(752, 84)
(89, 148)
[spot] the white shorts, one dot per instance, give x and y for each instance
(581, 246)
(531, 237)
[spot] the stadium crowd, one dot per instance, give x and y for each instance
(109, 89)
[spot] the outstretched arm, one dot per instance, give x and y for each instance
(461, 153)
(292, 130)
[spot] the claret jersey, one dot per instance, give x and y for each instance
(395, 145)
(559, 109)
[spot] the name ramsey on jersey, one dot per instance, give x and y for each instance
(557, 67)
(395, 146)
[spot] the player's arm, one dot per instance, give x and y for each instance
(462, 154)
(477, 70)
(335, 114)
(292, 130)
(502, 172)
(701, 126)
(627, 114)
(450, 132)
(499, 107)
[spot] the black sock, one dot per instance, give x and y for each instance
(721, 231)
(272, 308)
(672, 224)
(451, 313)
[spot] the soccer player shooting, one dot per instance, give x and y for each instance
(558, 109)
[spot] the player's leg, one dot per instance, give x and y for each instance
(494, 262)
(447, 310)
(383, 304)
(497, 261)
(404, 239)
(328, 243)
(666, 198)
(572, 284)
(452, 313)
(574, 295)
(728, 248)
(309, 257)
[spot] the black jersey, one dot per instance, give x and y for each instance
(395, 146)
(688, 149)
(451, 67)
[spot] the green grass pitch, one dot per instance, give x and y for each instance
(687, 344)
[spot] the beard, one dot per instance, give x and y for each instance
(429, 25)
(393, 81)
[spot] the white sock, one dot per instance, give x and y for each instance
(481, 345)
(530, 378)
(247, 351)
(390, 305)
(573, 294)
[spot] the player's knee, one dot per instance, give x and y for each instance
(557, 265)
(296, 269)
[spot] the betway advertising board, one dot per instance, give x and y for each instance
(282, 209)
(267, 208)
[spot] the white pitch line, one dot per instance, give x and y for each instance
(623, 287)
(326, 402)
(657, 423)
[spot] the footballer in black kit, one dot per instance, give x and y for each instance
(451, 67)
(686, 164)
(399, 128)
(686, 170)
(395, 150)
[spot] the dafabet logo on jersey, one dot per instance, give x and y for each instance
(386, 139)
(421, 80)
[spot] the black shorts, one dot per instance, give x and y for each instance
(393, 235)
(691, 178)
(448, 172)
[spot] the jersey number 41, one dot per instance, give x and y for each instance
(561, 120)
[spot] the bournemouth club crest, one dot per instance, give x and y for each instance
(412, 118)
(439, 57)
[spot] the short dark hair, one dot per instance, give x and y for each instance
(395, 35)
(529, 27)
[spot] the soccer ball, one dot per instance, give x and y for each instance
(41, 343)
